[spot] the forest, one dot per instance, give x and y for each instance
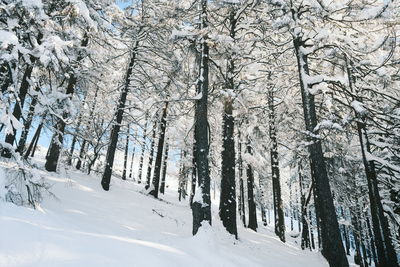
(253, 117)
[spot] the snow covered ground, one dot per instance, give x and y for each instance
(86, 226)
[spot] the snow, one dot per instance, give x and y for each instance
(86, 226)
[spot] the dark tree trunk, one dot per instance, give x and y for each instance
(106, 178)
(151, 156)
(53, 154)
(332, 246)
(74, 139)
(125, 170)
(250, 194)
(77, 129)
(23, 90)
(201, 206)
(34, 141)
(131, 168)
(310, 218)
(160, 147)
(357, 238)
(193, 180)
(242, 209)
(276, 185)
(227, 204)
(372, 239)
(164, 169)
(81, 155)
(27, 124)
(6, 75)
(19, 105)
(345, 233)
(305, 238)
(142, 154)
(386, 255)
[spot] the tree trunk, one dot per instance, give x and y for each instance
(33, 144)
(77, 128)
(131, 168)
(332, 246)
(193, 180)
(160, 148)
(19, 105)
(54, 150)
(386, 255)
(276, 186)
(227, 203)
(23, 90)
(142, 154)
(201, 206)
(242, 209)
(124, 171)
(27, 124)
(305, 238)
(151, 156)
(81, 155)
(164, 170)
(106, 178)
(250, 194)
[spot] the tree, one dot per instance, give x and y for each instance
(201, 206)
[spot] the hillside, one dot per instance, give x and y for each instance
(86, 226)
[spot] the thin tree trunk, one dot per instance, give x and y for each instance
(131, 168)
(124, 171)
(164, 170)
(75, 137)
(33, 144)
(19, 105)
(151, 156)
(305, 238)
(106, 178)
(142, 153)
(160, 147)
(27, 124)
(242, 209)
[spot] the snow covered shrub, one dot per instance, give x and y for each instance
(20, 183)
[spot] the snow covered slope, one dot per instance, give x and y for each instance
(87, 226)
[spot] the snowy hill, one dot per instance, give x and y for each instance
(87, 226)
